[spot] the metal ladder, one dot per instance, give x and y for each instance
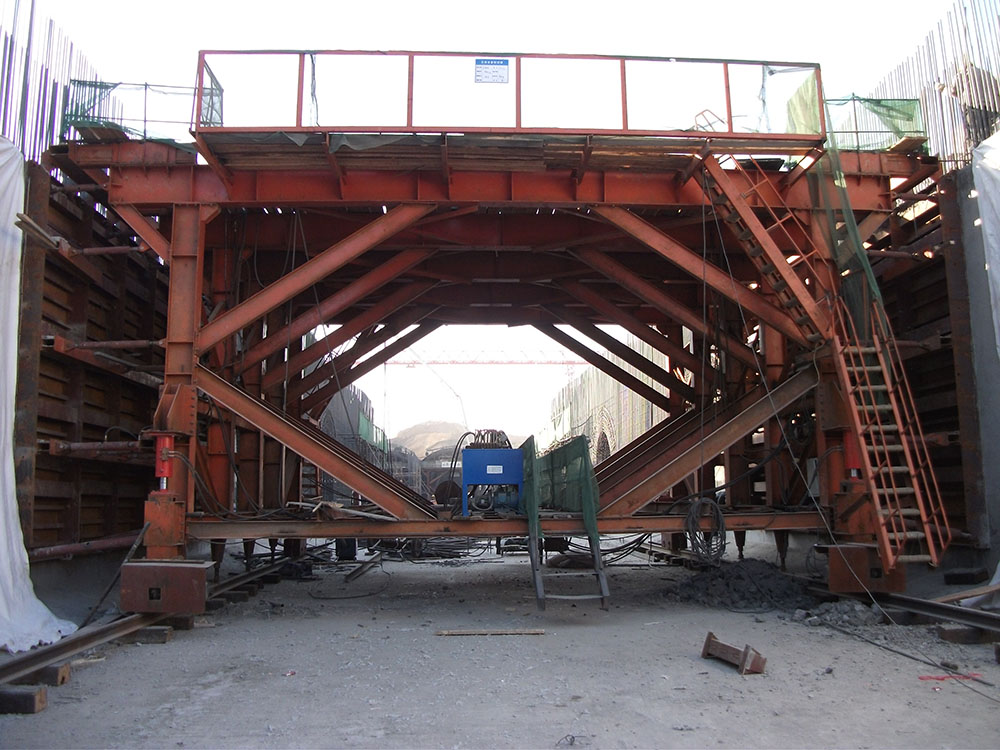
(539, 575)
(731, 192)
(910, 520)
(589, 516)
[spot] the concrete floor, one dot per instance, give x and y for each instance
(326, 663)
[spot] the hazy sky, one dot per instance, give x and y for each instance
(855, 42)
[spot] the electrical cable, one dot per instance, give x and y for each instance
(707, 546)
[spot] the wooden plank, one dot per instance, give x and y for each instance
(507, 631)
(978, 591)
(53, 674)
(150, 635)
(23, 699)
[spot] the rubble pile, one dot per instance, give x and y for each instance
(748, 585)
(843, 613)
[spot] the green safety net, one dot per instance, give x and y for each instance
(862, 124)
(853, 124)
(371, 434)
(561, 479)
(137, 110)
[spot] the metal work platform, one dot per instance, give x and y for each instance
(722, 247)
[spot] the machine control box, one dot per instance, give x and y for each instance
(490, 467)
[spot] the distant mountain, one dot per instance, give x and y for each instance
(420, 437)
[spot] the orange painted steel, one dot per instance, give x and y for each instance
(316, 447)
(506, 225)
(301, 278)
(747, 519)
(699, 267)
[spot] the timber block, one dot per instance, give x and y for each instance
(250, 588)
(26, 699)
(151, 635)
(53, 674)
(271, 578)
(236, 596)
(180, 622)
(965, 576)
(215, 603)
(965, 634)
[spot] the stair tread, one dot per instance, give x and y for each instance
(907, 535)
(574, 596)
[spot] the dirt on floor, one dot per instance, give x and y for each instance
(324, 662)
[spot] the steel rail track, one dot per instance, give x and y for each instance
(95, 635)
(973, 618)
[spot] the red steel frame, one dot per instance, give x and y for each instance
(557, 245)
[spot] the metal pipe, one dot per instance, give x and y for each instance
(81, 548)
(62, 448)
(123, 344)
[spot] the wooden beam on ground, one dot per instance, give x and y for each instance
(26, 699)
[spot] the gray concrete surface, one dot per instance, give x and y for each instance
(326, 663)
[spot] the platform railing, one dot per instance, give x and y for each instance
(435, 92)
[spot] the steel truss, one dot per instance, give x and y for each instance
(389, 243)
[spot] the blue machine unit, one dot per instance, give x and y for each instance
(491, 467)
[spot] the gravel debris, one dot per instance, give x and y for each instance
(748, 585)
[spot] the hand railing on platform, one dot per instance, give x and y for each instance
(434, 92)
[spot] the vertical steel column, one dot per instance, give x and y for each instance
(177, 411)
(271, 487)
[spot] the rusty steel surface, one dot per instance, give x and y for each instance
(474, 527)
(165, 586)
(515, 226)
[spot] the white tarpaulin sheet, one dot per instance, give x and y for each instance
(986, 174)
(24, 621)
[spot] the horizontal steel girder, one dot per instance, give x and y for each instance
(154, 175)
(313, 270)
(713, 443)
(481, 527)
(316, 448)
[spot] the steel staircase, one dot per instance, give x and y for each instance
(910, 521)
(779, 245)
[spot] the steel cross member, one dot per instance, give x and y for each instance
(712, 444)
(370, 317)
(659, 299)
(319, 267)
(334, 304)
(317, 449)
(609, 368)
(721, 281)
